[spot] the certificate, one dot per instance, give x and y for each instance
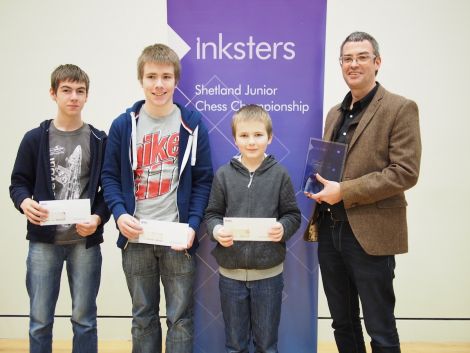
(66, 211)
(325, 158)
(164, 233)
(249, 229)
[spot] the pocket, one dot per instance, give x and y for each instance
(392, 202)
(138, 260)
(177, 263)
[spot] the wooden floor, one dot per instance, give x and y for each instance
(21, 346)
(408, 347)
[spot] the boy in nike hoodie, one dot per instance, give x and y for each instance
(158, 167)
(253, 184)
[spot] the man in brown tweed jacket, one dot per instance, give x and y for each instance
(362, 222)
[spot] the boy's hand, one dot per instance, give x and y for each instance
(191, 236)
(224, 237)
(33, 211)
(86, 229)
(129, 226)
(276, 232)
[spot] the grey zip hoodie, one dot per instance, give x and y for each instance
(267, 192)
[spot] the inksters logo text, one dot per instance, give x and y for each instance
(249, 49)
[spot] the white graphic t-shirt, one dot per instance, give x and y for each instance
(156, 177)
(69, 158)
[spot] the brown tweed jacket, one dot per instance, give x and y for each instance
(382, 162)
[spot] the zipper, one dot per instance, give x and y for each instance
(98, 164)
(133, 184)
(252, 174)
(48, 158)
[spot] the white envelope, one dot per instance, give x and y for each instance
(249, 229)
(164, 233)
(66, 211)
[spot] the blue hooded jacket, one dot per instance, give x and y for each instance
(194, 165)
(31, 177)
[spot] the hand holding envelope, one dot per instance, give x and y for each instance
(88, 228)
(34, 212)
(174, 234)
(179, 236)
(191, 236)
(253, 229)
(223, 236)
(66, 211)
(276, 232)
(129, 226)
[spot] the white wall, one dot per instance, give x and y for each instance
(105, 41)
(424, 46)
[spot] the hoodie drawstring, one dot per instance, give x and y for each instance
(194, 146)
(191, 147)
(134, 141)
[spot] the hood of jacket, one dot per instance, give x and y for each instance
(189, 121)
(99, 134)
(267, 163)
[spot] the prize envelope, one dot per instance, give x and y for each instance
(66, 211)
(249, 229)
(164, 233)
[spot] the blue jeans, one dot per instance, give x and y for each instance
(350, 274)
(143, 266)
(44, 268)
(251, 308)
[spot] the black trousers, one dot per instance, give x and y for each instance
(350, 276)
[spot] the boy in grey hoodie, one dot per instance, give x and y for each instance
(252, 185)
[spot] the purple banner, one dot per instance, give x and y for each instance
(269, 53)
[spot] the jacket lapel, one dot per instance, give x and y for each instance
(330, 127)
(368, 115)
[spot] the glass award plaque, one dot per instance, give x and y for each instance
(325, 158)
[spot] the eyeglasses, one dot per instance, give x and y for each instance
(360, 59)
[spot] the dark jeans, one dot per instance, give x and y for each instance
(350, 274)
(251, 308)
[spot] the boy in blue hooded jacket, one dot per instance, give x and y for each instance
(60, 160)
(158, 167)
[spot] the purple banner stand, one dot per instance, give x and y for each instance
(269, 53)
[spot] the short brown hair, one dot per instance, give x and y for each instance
(160, 54)
(252, 112)
(71, 73)
(360, 37)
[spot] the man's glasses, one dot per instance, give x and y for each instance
(360, 59)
